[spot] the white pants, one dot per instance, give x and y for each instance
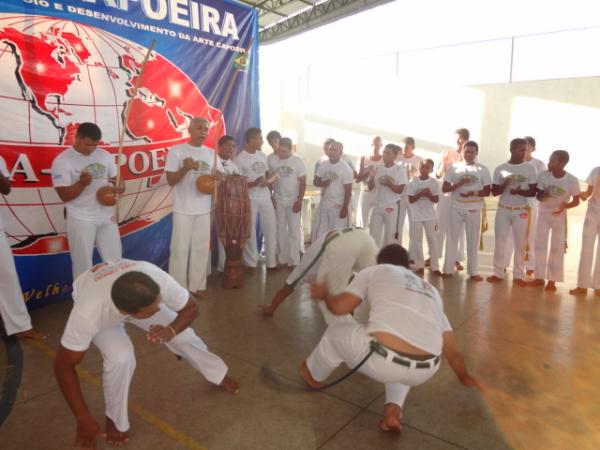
(510, 243)
(588, 275)
(12, 306)
(461, 221)
(329, 219)
(387, 222)
(262, 207)
(190, 243)
(366, 201)
(416, 242)
(444, 210)
(550, 266)
(83, 233)
(349, 343)
(119, 361)
(510, 222)
(289, 234)
(348, 252)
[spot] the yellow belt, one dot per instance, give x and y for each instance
(484, 225)
(514, 208)
(470, 201)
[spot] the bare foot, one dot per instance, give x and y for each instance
(538, 282)
(32, 334)
(274, 269)
(476, 278)
(494, 279)
(529, 273)
(578, 291)
(114, 436)
(427, 262)
(200, 294)
(458, 265)
(520, 282)
(420, 271)
(392, 414)
(447, 275)
(267, 310)
(307, 376)
(230, 386)
(550, 286)
(437, 273)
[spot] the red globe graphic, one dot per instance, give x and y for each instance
(56, 74)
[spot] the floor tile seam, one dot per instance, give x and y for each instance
(341, 429)
(47, 392)
(470, 316)
(199, 331)
(454, 444)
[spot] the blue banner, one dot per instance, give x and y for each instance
(72, 61)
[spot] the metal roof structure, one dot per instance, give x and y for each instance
(280, 19)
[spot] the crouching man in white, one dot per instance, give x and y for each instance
(401, 304)
(105, 297)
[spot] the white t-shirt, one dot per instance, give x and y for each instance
(423, 209)
(412, 165)
(593, 180)
(229, 167)
(521, 176)
(4, 171)
(384, 196)
(186, 197)
(253, 166)
(66, 170)
(339, 174)
(478, 177)
(539, 165)
(289, 170)
(402, 304)
(93, 308)
(560, 189)
(364, 185)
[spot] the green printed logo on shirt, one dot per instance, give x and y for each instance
(285, 171)
(96, 170)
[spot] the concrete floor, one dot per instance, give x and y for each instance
(538, 355)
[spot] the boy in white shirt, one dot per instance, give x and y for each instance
(104, 299)
(408, 159)
(254, 166)
(335, 178)
(13, 311)
(288, 191)
(77, 175)
(388, 183)
(423, 194)
(588, 275)
(514, 182)
(190, 238)
(468, 182)
(555, 187)
(366, 199)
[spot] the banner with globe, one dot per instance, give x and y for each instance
(72, 61)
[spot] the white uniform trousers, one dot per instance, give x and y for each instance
(349, 343)
(190, 243)
(510, 243)
(444, 210)
(329, 219)
(386, 222)
(588, 275)
(366, 202)
(289, 234)
(12, 306)
(510, 222)
(346, 253)
(83, 233)
(550, 266)
(416, 242)
(119, 361)
(462, 220)
(262, 207)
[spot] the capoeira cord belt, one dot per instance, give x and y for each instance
(349, 373)
(294, 283)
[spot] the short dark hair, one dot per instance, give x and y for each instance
(393, 254)
(393, 147)
(463, 133)
(133, 291)
(328, 141)
(409, 140)
(273, 134)
(562, 155)
(472, 144)
(251, 133)
(428, 161)
(89, 130)
(516, 142)
(225, 139)
(530, 140)
(285, 142)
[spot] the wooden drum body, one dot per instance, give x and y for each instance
(232, 213)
